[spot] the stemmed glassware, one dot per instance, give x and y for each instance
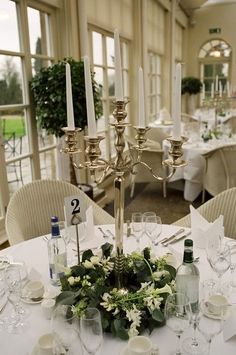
(210, 326)
(137, 226)
(13, 282)
(153, 228)
(219, 259)
(65, 330)
(177, 315)
(91, 331)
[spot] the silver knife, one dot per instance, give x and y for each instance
(167, 239)
(177, 239)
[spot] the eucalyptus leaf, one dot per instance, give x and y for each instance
(158, 315)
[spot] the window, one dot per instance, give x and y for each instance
(104, 69)
(29, 46)
(215, 58)
(154, 90)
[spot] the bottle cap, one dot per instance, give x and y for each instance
(54, 219)
(188, 256)
(188, 243)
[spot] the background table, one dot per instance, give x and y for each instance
(34, 253)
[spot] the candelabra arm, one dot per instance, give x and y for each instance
(155, 175)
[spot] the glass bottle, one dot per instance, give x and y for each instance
(187, 276)
(57, 255)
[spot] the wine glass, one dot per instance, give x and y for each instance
(177, 315)
(210, 326)
(13, 281)
(91, 331)
(137, 226)
(230, 286)
(220, 259)
(153, 228)
(64, 231)
(65, 330)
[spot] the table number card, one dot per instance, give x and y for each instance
(75, 211)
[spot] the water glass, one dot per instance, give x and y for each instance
(65, 330)
(91, 331)
(13, 281)
(177, 315)
(137, 226)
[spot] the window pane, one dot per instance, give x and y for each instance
(14, 127)
(208, 70)
(125, 55)
(48, 164)
(99, 79)
(110, 52)
(111, 82)
(35, 31)
(9, 39)
(10, 80)
(18, 174)
(97, 48)
(37, 64)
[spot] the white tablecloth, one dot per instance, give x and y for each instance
(192, 173)
(34, 253)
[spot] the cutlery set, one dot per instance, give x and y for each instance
(175, 237)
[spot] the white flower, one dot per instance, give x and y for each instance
(132, 332)
(71, 280)
(134, 316)
(157, 275)
(107, 304)
(77, 279)
(88, 264)
(67, 271)
(95, 260)
(165, 289)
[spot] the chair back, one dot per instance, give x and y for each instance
(31, 207)
(220, 169)
(222, 204)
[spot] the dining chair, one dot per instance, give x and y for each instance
(222, 204)
(220, 170)
(31, 207)
(153, 157)
(13, 148)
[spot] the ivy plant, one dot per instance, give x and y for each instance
(49, 91)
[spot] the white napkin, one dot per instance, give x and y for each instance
(201, 228)
(229, 327)
(164, 115)
(89, 224)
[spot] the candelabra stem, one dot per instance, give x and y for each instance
(119, 222)
(73, 179)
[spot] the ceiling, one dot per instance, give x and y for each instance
(190, 5)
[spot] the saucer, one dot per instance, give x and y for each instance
(209, 314)
(31, 300)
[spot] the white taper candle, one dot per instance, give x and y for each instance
(203, 91)
(212, 90)
(69, 100)
(118, 71)
(220, 88)
(141, 102)
(92, 131)
(177, 111)
(217, 79)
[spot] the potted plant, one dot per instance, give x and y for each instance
(49, 91)
(191, 86)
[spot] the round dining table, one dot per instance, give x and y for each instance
(35, 256)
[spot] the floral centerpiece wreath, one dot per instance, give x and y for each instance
(125, 312)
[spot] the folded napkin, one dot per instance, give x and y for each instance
(164, 115)
(202, 229)
(85, 228)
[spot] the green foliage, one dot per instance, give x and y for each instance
(125, 312)
(49, 90)
(191, 85)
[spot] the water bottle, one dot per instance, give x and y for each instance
(57, 255)
(187, 276)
